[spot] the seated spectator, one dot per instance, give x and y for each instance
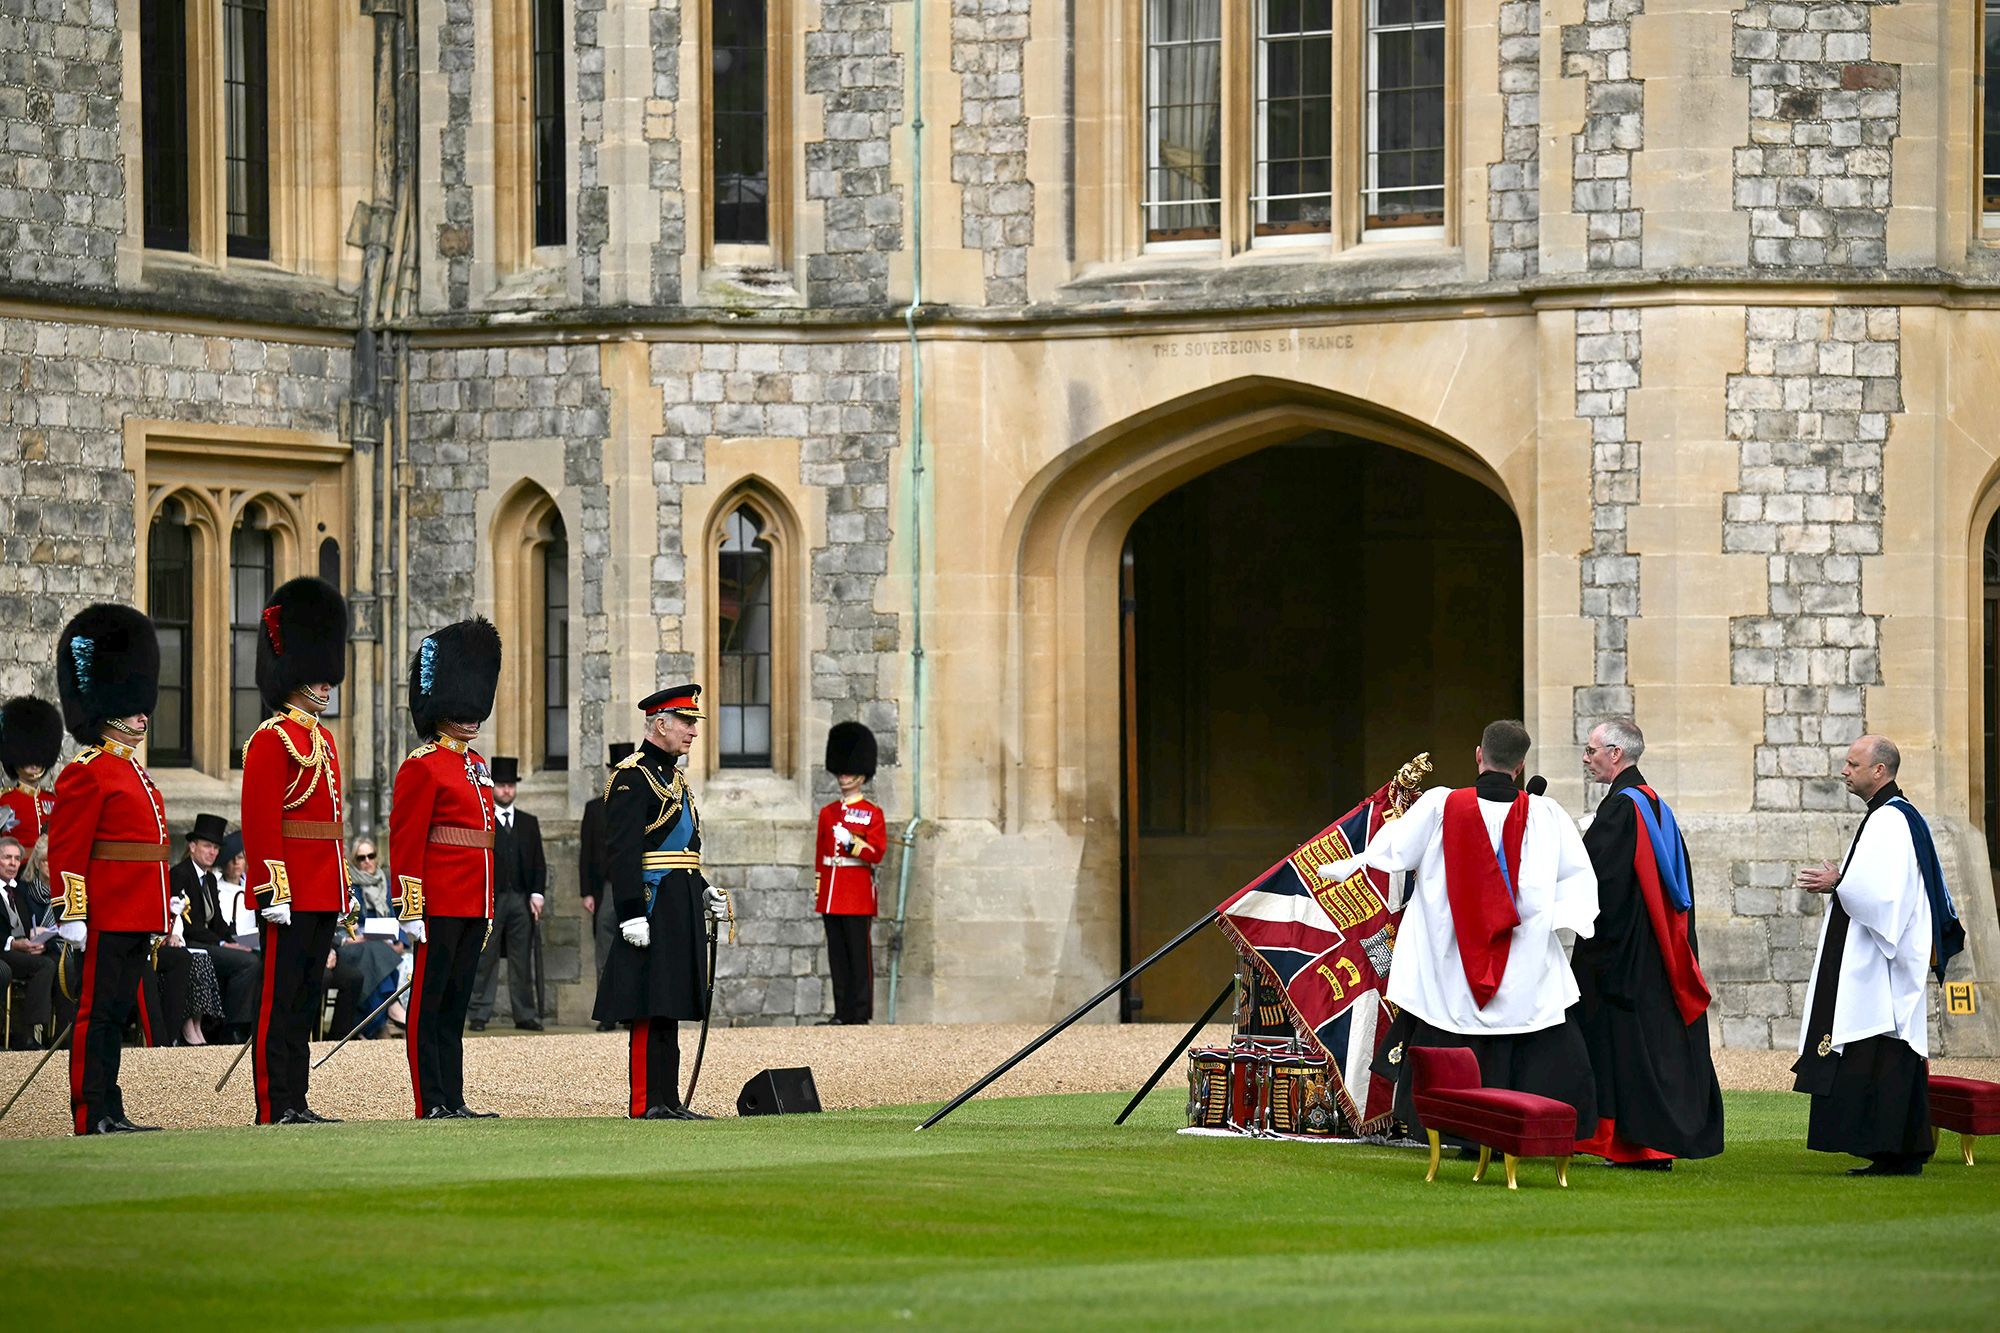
(367, 880)
(364, 971)
(27, 970)
(238, 907)
(228, 978)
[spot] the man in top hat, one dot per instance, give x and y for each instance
(852, 838)
(108, 844)
(656, 974)
(520, 877)
(197, 889)
(441, 855)
(30, 743)
(594, 872)
(294, 838)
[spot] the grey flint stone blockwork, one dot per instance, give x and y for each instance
(849, 64)
(454, 237)
(464, 399)
(1812, 412)
(1599, 51)
(66, 500)
(1608, 351)
(663, 150)
(1815, 176)
(1513, 184)
(591, 227)
(62, 177)
(989, 145)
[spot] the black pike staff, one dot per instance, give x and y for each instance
(46, 1057)
(707, 1008)
(372, 1016)
(1082, 1009)
(1187, 1039)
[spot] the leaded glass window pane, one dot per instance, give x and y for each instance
(1405, 177)
(1183, 120)
(743, 610)
(1294, 178)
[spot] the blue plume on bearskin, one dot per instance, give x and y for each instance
(454, 675)
(107, 665)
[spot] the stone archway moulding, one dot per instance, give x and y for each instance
(1067, 532)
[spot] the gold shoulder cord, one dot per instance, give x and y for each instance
(309, 763)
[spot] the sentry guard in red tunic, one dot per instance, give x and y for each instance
(853, 835)
(31, 732)
(108, 844)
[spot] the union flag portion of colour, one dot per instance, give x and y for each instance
(1327, 946)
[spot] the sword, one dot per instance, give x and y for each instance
(707, 1007)
(238, 1060)
(46, 1057)
(365, 1022)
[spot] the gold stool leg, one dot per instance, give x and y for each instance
(1485, 1159)
(1562, 1172)
(1965, 1142)
(1435, 1149)
(1512, 1161)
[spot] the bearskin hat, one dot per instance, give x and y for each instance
(454, 674)
(31, 733)
(304, 640)
(107, 665)
(850, 748)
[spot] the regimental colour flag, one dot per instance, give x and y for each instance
(1326, 947)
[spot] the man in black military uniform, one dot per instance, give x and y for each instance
(594, 873)
(520, 882)
(656, 975)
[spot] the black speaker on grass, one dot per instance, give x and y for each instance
(778, 1092)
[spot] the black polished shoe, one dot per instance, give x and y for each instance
(440, 1113)
(126, 1126)
(314, 1117)
(689, 1113)
(663, 1113)
(106, 1125)
(291, 1117)
(607, 1026)
(467, 1113)
(477, 1025)
(529, 1025)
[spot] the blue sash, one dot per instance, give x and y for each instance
(1947, 932)
(678, 838)
(1665, 832)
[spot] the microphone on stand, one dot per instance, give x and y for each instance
(1537, 785)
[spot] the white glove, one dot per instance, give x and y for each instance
(717, 903)
(278, 914)
(177, 905)
(842, 838)
(1339, 871)
(638, 932)
(414, 928)
(74, 932)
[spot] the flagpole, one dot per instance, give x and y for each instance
(1088, 1005)
(1187, 1039)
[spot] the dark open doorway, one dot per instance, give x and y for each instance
(1297, 624)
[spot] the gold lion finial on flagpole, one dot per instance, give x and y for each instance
(1408, 784)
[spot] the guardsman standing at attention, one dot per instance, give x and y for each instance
(30, 743)
(441, 855)
(656, 975)
(293, 838)
(108, 845)
(852, 838)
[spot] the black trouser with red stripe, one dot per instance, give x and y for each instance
(655, 1065)
(112, 961)
(853, 970)
(294, 989)
(440, 993)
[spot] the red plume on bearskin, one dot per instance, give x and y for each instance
(31, 732)
(304, 640)
(454, 674)
(107, 665)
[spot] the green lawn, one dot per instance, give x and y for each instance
(1028, 1212)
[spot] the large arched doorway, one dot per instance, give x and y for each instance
(1297, 623)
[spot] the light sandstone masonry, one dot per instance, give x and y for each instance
(1815, 175)
(1513, 184)
(1599, 51)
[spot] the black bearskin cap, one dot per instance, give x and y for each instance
(31, 732)
(454, 674)
(107, 665)
(304, 640)
(850, 748)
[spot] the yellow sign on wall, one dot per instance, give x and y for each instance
(1959, 998)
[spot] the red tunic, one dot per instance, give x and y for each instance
(844, 881)
(24, 813)
(293, 806)
(104, 796)
(442, 790)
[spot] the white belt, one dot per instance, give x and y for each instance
(841, 861)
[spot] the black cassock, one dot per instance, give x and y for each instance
(1655, 1075)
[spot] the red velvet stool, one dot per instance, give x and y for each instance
(1969, 1106)
(1449, 1098)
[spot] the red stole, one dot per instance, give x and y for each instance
(1670, 928)
(1483, 914)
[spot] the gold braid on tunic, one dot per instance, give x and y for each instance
(310, 765)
